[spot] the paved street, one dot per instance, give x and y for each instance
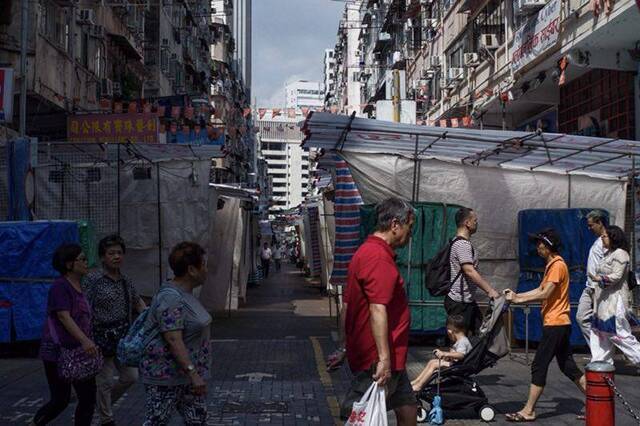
(267, 369)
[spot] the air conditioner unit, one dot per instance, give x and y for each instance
(489, 41)
(455, 74)
(117, 89)
(430, 23)
(471, 59)
(97, 31)
(427, 74)
(106, 88)
(524, 7)
(87, 16)
(435, 61)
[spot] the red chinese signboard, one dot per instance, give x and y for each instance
(101, 128)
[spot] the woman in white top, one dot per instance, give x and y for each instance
(612, 310)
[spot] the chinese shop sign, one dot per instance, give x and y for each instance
(536, 36)
(100, 128)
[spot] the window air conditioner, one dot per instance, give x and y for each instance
(430, 23)
(455, 74)
(524, 7)
(471, 59)
(489, 41)
(435, 61)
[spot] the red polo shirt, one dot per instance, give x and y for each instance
(373, 269)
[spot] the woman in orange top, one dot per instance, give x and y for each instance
(553, 292)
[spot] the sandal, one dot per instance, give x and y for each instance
(518, 418)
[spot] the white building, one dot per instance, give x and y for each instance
(304, 94)
(287, 162)
(329, 77)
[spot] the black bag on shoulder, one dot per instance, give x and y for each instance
(631, 281)
(437, 277)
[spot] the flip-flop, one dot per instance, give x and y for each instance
(518, 418)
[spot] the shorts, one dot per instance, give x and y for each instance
(397, 390)
(554, 343)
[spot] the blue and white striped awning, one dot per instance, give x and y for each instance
(549, 152)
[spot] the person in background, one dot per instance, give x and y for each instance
(113, 299)
(68, 325)
(461, 299)
(377, 316)
(277, 257)
(596, 221)
(265, 258)
(176, 362)
(612, 298)
(553, 292)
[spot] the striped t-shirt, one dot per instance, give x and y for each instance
(462, 252)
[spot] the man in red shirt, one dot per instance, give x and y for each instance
(377, 318)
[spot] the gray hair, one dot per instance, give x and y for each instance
(598, 216)
(390, 209)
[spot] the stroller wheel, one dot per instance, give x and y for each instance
(423, 414)
(487, 413)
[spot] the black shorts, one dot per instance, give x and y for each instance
(397, 390)
(470, 312)
(554, 343)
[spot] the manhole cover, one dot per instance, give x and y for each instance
(267, 407)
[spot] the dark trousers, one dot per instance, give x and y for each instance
(278, 263)
(265, 267)
(469, 311)
(60, 392)
(555, 343)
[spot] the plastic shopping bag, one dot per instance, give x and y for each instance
(371, 410)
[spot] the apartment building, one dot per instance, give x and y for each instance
(304, 94)
(329, 78)
(569, 66)
(287, 162)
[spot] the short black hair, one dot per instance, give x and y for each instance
(462, 214)
(617, 238)
(550, 238)
(183, 255)
(457, 322)
(64, 254)
(110, 241)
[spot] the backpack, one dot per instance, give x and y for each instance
(631, 281)
(141, 333)
(438, 271)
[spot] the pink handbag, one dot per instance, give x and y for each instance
(75, 364)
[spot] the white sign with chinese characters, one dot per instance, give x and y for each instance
(536, 36)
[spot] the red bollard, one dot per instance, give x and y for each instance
(600, 397)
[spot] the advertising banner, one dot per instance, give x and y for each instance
(536, 36)
(102, 128)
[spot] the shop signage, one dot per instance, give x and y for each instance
(101, 128)
(536, 36)
(6, 94)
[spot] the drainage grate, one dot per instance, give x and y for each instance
(268, 407)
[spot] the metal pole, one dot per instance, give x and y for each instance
(118, 188)
(633, 221)
(395, 96)
(159, 225)
(23, 67)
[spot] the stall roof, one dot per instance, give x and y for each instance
(231, 191)
(537, 151)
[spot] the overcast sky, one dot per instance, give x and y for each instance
(289, 38)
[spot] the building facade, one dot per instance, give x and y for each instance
(568, 66)
(304, 94)
(329, 78)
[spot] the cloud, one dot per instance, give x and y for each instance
(289, 38)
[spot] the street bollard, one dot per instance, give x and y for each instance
(600, 404)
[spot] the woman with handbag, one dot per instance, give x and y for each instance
(70, 356)
(113, 298)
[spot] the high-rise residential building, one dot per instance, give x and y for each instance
(329, 77)
(304, 94)
(287, 162)
(241, 28)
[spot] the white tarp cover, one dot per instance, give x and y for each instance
(327, 230)
(497, 195)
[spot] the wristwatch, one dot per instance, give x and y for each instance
(190, 369)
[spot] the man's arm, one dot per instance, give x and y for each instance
(537, 295)
(472, 274)
(380, 330)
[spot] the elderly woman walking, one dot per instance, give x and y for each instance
(610, 325)
(176, 363)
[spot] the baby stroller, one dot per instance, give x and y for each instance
(457, 385)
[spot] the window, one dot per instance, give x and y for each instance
(305, 167)
(84, 49)
(277, 166)
(53, 24)
(275, 157)
(490, 20)
(273, 146)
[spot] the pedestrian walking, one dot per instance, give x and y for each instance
(265, 258)
(596, 221)
(67, 326)
(113, 300)
(553, 292)
(461, 299)
(176, 362)
(277, 257)
(377, 314)
(612, 298)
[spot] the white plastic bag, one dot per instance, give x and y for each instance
(371, 410)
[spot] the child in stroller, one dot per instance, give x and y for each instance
(456, 384)
(461, 345)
